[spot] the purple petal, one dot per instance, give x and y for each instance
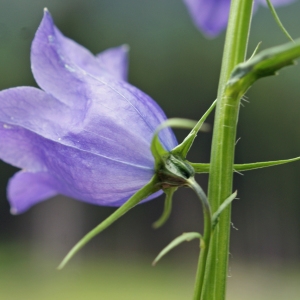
(17, 148)
(89, 136)
(105, 131)
(79, 174)
(23, 112)
(26, 189)
(113, 106)
(112, 61)
(36, 111)
(116, 61)
(210, 16)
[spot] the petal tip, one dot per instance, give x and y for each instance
(47, 15)
(125, 47)
(14, 211)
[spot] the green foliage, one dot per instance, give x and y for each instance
(185, 237)
(265, 63)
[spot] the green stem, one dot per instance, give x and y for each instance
(205, 241)
(222, 154)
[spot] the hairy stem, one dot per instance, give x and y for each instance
(222, 154)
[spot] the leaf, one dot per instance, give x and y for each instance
(255, 50)
(221, 208)
(167, 208)
(183, 148)
(264, 164)
(141, 194)
(266, 63)
(185, 237)
(204, 168)
(277, 20)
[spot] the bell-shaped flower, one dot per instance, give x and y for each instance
(85, 134)
(211, 16)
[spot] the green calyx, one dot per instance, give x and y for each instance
(174, 171)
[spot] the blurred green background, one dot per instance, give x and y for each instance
(179, 68)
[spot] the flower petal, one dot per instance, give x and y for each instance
(116, 61)
(93, 178)
(36, 111)
(63, 68)
(17, 148)
(113, 109)
(121, 124)
(88, 135)
(23, 112)
(79, 174)
(113, 61)
(210, 16)
(34, 134)
(110, 132)
(26, 189)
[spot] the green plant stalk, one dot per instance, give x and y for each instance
(222, 153)
(205, 241)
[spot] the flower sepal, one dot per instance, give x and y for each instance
(204, 167)
(185, 237)
(150, 188)
(175, 172)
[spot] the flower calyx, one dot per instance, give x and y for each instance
(174, 171)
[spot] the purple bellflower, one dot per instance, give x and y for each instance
(85, 134)
(211, 16)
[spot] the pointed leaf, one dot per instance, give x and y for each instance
(266, 63)
(183, 148)
(264, 164)
(185, 237)
(255, 50)
(277, 20)
(224, 204)
(167, 208)
(204, 168)
(141, 194)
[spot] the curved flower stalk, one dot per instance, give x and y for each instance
(85, 134)
(211, 16)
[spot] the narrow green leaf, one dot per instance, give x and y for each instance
(266, 63)
(264, 164)
(277, 20)
(183, 148)
(255, 51)
(185, 237)
(167, 208)
(141, 194)
(224, 204)
(204, 168)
